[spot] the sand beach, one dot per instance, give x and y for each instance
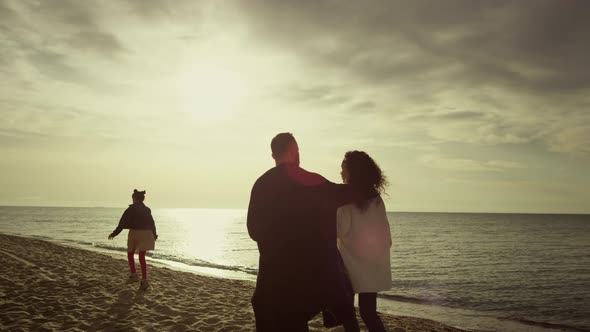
(50, 287)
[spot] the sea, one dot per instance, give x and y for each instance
(477, 271)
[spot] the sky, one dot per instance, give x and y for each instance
(474, 106)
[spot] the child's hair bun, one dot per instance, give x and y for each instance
(137, 192)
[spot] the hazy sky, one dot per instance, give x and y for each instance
(466, 105)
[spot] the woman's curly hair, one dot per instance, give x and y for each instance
(365, 176)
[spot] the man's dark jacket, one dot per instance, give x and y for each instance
(292, 217)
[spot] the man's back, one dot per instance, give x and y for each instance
(292, 218)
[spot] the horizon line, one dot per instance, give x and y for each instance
(220, 208)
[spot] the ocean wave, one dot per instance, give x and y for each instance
(86, 243)
(202, 263)
(41, 221)
(562, 327)
(545, 325)
(408, 299)
(109, 247)
(187, 261)
(40, 237)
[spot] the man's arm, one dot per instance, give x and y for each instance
(256, 218)
(341, 194)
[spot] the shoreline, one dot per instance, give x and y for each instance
(458, 318)
(48, 286)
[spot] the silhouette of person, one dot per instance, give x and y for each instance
(292, 217)
(364, 237)
(142, 235)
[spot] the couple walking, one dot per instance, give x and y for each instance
(319, 242)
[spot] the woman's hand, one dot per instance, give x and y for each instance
(111, 236)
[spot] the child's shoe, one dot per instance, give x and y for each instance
(144, 285)
(133, 278)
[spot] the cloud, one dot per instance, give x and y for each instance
(509, 68)
(478, 89)
(319, 95)
(166, 12)
(475, 127)
(61, 26)
(498, 41)
(468, 165)
(574, 140)
(497, 72)
(97, 41)
(65, 41)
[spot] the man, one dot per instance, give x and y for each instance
(292, 217)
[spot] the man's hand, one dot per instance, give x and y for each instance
(111, 236)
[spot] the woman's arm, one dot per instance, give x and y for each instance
(387, 223)
(389, 234)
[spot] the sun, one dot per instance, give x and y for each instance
(212, 92)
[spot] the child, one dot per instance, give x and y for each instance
(142, 235)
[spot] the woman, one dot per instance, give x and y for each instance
(142, 235)
(364, 238)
